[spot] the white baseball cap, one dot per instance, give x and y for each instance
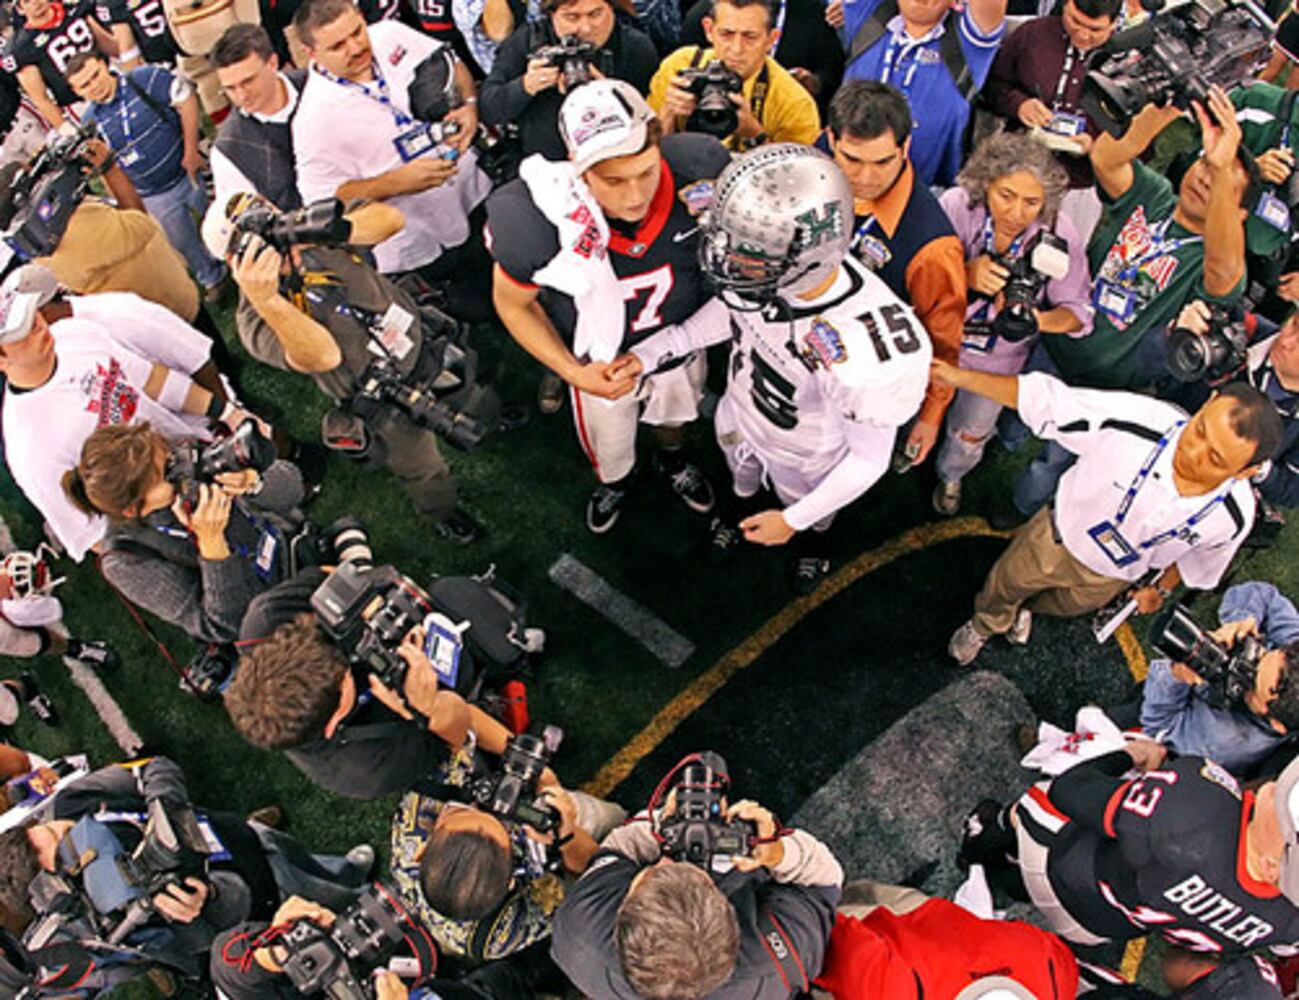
(25, 290)
(995, 988)
(603, 119)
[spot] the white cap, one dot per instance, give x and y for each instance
(995, 988)
(603, 119)
(25, 290)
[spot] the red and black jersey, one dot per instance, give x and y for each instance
(656, 261)
(51, 48)
(148, 26)
(1163, 852)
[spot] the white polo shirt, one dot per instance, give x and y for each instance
(1114, 435)
(342, 133)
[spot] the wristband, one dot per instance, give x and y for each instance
(128, 55)
(471, 100)
(175, 390)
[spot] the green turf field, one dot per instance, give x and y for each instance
(826, 683)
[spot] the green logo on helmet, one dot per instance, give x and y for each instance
(817, 227)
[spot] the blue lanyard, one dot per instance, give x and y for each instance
(1159, 247)
(861, 232)
(779, 19)
(1125, 505)
(380, 92)
(990, 240)
(896, 51)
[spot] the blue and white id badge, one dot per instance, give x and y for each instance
(268, 547)
(443, 646)
(1117, 302)
(978, 337)
(1273, 211)
(1113, 544)
(1066, 124)
(873, 252)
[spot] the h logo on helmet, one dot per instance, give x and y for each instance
(815, 228)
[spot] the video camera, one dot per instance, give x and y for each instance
(1175, 57)
(43, 194)
(173, 849)
(1213, 356)
(433, 93)
(572, 57)
(337, 962)
(511, 794)
(193, 462)
(715, 113)
(698, 830)
(319, 224)
(1229, 672)
(1045, 258)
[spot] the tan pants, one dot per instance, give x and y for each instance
(1037, 571)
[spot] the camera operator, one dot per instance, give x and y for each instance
(1177, 707)
(640, 924)
(295, 691)
(151, 879)
(528, 89)
(71, 374)
(368, 75)
(484, 884)
(1009, 192)
(303, 311)
(194, 560)
(770, 103)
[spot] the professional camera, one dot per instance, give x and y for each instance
(715, 113)
(319, 224)
(698, 830)
(42, 195)
(193, 462)
(1175, 57)
(337, 962)
(512, 793)
(1213, 356)
(572, 57)
(1230, 673)
(1045, 258)
(173, 848)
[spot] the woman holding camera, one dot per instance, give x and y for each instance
(193, 552)
(1023, 259)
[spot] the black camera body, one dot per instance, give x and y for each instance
(698, 830)
(173, 849)
(1175, 57)
(194, 462)
(715, 113)
(572, 57)
(511, 794)
(1213, 356)
(1045, 258)
(319, 224)
(336, 962)
(43, 195)
(1229, 672)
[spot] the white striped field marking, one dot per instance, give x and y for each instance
(667, 645)
(109, 711)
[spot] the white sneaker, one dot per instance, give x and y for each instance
(965, 644)
(361, 858)
(947, 498)
(1021, 629)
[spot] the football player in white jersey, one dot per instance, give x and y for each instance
(826, 362)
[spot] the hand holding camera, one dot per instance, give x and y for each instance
(1220, 134)
(182, 904)
(420, 687)
(767, 849)
(207, 520)
(986, 275)
(542, 74)
(426, 172)
(257, 269)
(1276, 165)
(560, 803)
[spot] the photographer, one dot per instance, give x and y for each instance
(1177, 708)
(1009, 193)
(640, 924)
(295, 691)
(484, 884)
(1268, 123)
(770, 103)
(150, 878)
(528, 90)
(305, 311)
(196, 559)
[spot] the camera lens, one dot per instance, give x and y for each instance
(1187, 355)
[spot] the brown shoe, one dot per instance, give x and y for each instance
(271, 816)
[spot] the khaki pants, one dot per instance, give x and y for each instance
(1038, 572)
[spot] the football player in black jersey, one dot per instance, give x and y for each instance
(50, 35)
(139, 27)
(593, 255)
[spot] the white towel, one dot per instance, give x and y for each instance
(1057, 751)
(581, 269)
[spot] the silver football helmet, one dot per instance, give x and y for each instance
(780, 220)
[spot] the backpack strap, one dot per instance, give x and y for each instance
(166, 114)
(872, 29)
(953, 53)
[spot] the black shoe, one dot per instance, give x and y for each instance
(809, 571)
(459, 528)
(97, 655)
(37, 700)
(1007, 520)
(603, 508)
(687, 482)
(724, 537)
(985, 840)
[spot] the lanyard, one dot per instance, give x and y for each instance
(861, 232)
(1125, 505)
(1071, 54)
(779, 19)
(379, 93)
(897, 51)
(1159, 247)
(990, 240)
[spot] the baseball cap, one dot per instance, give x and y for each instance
(994, 988)
(25, 290)
(603, 119)
(1287, 817)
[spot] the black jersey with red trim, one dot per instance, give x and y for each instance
(148, 26)
(1163, 852)
(656, 261)
(51, 48)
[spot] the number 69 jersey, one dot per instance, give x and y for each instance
(804, 373)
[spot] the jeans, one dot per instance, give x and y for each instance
(1036, 484)
(970, 422)
(175, 209)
